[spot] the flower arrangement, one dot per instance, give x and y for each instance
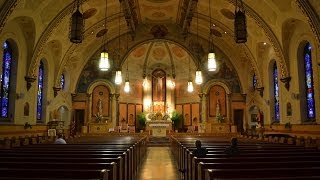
(99, 117)
(220, 118)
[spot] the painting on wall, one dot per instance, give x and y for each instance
(179, 108)
(195, 114)
(122, 112)
(131, 114)
(187, 114)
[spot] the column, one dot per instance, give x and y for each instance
(229, 108)
(200, 107)
(117, 95)
(112, 109)
(89, 106)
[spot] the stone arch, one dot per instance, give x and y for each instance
(28, 29)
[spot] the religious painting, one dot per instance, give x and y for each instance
(26, 109)
(187, 114)
(100, 101)
(131, 114)
(159, 85)
(138, 52)
(195, 114)
(122, 112)
(139, 109)
(52, 132)
(217, 101)
(179, 108)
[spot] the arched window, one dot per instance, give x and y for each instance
(5, 79)
(40, 91)
(309, 82)
(254, 81)
(276, 93)
(62, 81)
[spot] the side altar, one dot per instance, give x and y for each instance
(159, 128)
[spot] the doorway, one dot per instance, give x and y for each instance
(238, 119)
(78, 118)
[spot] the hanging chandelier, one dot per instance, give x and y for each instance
(127, 84)
(118, 78)
(104, 64)
(76, 25)
(190, 84)
(240, 25)
(198, 79)
(212, 62)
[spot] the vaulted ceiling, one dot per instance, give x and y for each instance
(271, 24)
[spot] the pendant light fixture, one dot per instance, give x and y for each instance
(240, 25)
(190, 84)
(127, 84)
(118, 78)
(212, 63)
(198, 79)
(104, 64)
(76, 25)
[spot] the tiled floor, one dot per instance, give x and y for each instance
(158, 165)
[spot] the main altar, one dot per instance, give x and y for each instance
(158, 124)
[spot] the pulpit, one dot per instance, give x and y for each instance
(159, 128)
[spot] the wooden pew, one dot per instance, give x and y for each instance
(182, 152)
(34, 173)
(75, 154)
(257, 165)
(268, 173)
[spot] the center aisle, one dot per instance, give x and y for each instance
(158, 165)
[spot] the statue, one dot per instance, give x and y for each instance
(218, 114)
(99, 106)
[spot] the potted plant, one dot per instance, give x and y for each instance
(141, 121)
(176, 119)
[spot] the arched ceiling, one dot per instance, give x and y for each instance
(50, 27)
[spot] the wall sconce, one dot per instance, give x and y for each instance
(295, 96)
(19, 95)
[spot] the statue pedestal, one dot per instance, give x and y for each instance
(159, 128)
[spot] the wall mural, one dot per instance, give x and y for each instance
(89, 74)
(228, 75)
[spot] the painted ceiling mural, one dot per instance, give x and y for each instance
(158, 10)
(159, 54)
(45, 26)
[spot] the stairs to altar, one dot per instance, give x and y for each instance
(158, 142)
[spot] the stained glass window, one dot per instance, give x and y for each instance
(254, 81)
(62, 81)
(5, 79)
(276, 93)
(40, 91)
(309, 82)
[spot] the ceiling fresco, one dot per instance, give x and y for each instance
(155, 11)
(46, 26)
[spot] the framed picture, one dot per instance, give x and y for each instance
(52, 132)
